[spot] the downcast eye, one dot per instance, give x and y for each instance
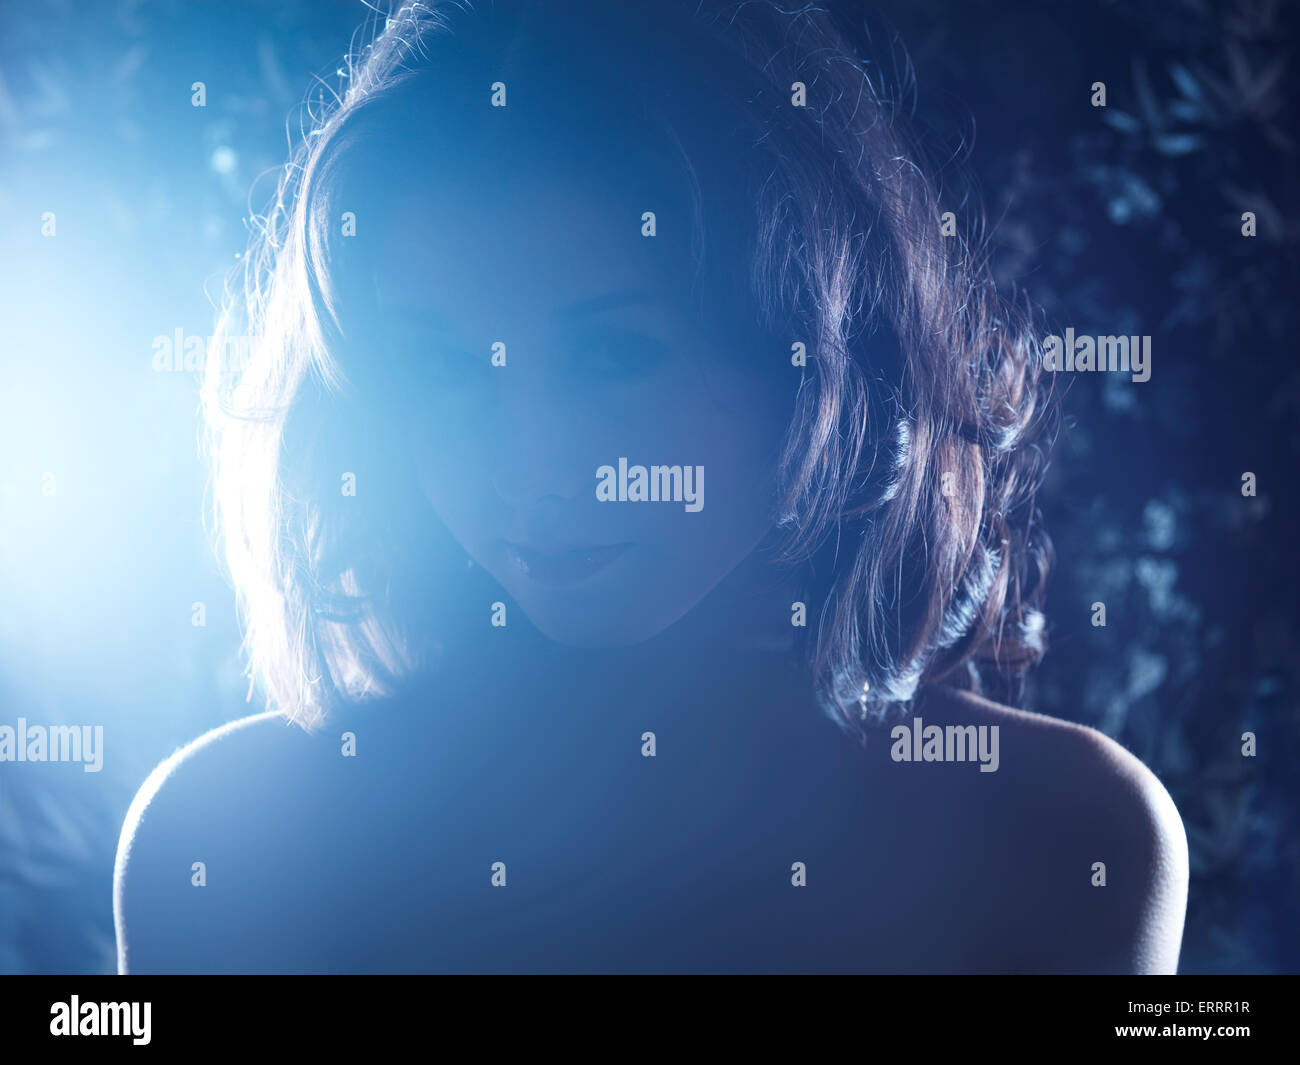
(451, 364)
(616, 354)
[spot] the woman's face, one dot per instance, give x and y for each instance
(604, 360)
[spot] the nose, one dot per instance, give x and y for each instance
(526, 483)
(543, 450)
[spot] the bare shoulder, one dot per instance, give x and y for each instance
(1088, 865)
(207, 838)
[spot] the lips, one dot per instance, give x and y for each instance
(562, 567)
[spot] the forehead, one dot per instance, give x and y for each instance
(521, 219)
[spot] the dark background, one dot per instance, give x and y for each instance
(1116, 220)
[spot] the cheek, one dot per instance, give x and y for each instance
(733, 426)
(728, 419)
(743, 417)
(449, 456)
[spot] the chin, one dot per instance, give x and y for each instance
(594, 630)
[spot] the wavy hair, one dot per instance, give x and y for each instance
(920, 427)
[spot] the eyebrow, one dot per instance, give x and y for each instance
(609, 301)
(420, 316)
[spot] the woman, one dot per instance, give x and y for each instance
(629, 496)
